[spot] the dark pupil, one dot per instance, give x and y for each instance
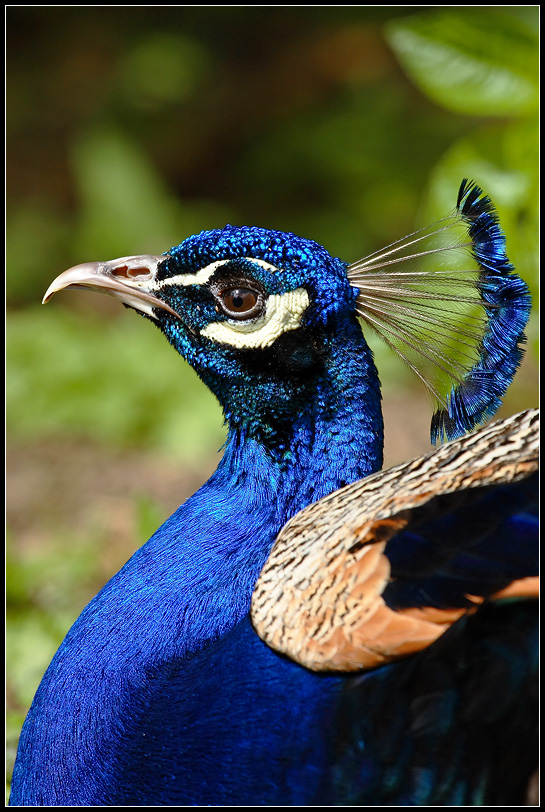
(239, 300)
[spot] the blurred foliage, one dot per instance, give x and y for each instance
(486, 64)
(129, 128)
(482, 63)
(87, 373)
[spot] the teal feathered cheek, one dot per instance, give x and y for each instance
(257, 310)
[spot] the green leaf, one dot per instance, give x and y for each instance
(478, 62)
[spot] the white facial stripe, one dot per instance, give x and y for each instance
(283, 312)
(204, 274)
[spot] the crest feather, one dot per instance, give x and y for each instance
(455, 312)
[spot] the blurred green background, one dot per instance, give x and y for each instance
(130, 128)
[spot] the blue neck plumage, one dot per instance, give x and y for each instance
(304, 435)
(334, 436)
(216, 543)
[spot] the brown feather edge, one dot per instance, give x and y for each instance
(301, 618)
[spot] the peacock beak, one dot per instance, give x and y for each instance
(129, 279)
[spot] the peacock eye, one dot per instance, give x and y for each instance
(241, 303)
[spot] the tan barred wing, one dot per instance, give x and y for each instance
(319, 598)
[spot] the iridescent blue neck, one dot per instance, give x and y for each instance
(300, 444)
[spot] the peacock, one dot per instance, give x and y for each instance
(307, 629)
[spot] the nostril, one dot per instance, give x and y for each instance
(131, 272)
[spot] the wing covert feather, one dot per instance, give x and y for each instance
(320, 597)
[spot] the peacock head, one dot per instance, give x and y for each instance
(266, 317)
(255, 312)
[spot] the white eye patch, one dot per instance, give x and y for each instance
(204, 274)
(283, 312)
